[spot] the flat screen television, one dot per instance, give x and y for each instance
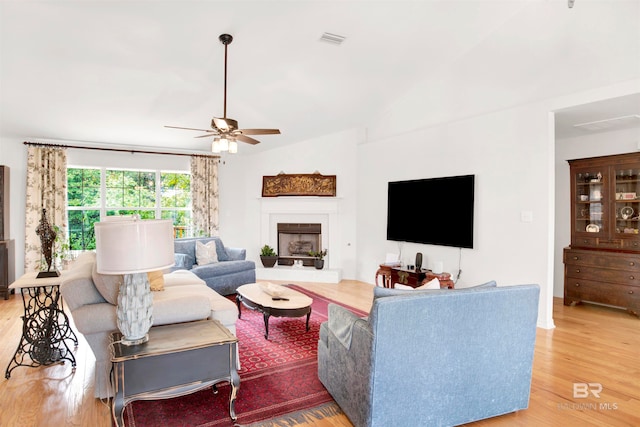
(434, 211)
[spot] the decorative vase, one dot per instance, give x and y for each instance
(268, 261)
(318, 263)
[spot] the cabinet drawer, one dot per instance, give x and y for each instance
(627, 262)
(631, 244)
(598, 243)
(605, 293)
(589, 242)
(608, 275)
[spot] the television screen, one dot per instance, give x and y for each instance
(435, 211)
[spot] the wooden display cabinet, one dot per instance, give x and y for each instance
(601, 265)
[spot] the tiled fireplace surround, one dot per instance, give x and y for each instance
(305, 210)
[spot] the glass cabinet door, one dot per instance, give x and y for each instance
(627, 203)
(589, 208)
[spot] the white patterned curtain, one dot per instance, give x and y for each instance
(204, 195)
(46, 189)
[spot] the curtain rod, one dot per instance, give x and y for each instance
(122, 150)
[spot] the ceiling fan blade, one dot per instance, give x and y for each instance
(207, 135)
(247, 139)
(258, 131)
(178, 127)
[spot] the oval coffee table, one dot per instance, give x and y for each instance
(290, 304)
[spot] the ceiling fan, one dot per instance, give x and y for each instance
(224, 129)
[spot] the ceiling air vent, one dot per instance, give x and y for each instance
(332, 38)
(616, 122)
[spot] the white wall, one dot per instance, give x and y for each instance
(507, 151)
(592, 145)
(241, 189)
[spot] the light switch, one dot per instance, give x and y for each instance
(526, 216)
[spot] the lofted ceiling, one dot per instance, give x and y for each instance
(117, 71)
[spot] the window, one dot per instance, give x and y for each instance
(83, 207)
(93, 193)
(175, 201)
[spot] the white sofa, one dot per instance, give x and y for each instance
(91, 298)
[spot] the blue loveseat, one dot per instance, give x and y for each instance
(224, 277)
(431, 358)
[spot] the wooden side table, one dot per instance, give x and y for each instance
(45, 328)
(178, 359)
(415, 278)
(385, 271)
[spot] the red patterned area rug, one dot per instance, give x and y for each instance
(278, 379)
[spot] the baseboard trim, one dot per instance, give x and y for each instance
(298, 274)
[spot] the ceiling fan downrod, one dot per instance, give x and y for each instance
(225, 39)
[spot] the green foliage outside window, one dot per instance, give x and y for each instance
(83, 186)
(81, 233)
(176, 190)
(126, 193)
(130, 189)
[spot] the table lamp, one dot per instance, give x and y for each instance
(132, 247)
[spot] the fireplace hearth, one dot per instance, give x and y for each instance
(296, 240)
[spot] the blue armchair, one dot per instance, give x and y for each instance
(431, 358)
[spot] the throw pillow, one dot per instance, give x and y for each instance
(107, 284)
(156, 280)
(206, 253)
(379, 292)
(183, 261)
(431, 284)
(84, 258)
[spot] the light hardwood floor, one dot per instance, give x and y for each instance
(590, 344)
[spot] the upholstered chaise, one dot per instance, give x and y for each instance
(431, 358)
(91, 298)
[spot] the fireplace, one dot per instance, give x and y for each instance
(296, 240)
(302, 210)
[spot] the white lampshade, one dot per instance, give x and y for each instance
(133, 246)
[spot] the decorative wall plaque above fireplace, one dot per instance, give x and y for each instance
(310, 184)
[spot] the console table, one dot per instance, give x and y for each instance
(45, 328)
(415, 278)
(178, 359)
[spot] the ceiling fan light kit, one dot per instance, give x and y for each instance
(225, 130)
(223, 144)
